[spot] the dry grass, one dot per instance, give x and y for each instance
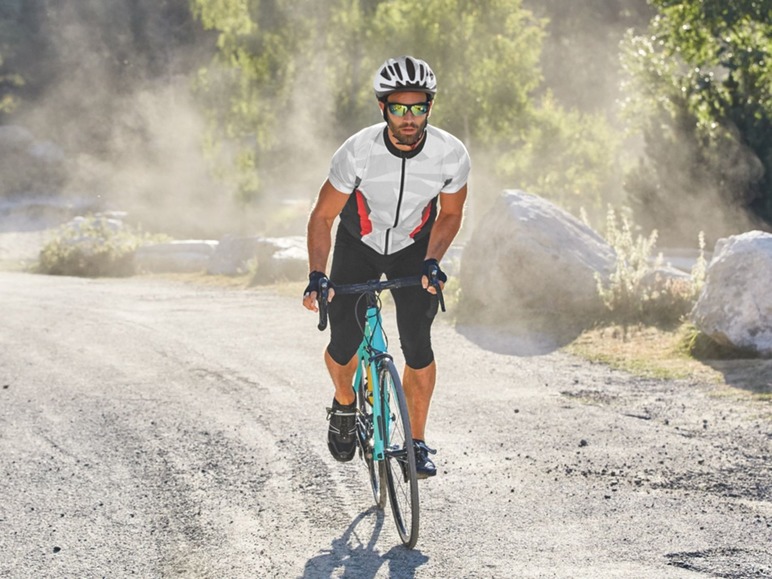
(654, 353)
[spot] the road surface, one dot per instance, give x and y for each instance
(157, 429)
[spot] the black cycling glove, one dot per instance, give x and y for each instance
(314, 280)
(432, 270)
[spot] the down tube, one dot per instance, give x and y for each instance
(377, 345)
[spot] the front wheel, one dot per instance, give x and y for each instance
(399, 455)
(376, 470)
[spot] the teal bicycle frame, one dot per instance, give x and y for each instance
(371, 351)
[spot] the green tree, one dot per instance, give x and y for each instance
(700, 93)
(486, 56)
(248, 88)
(580, 56)
(21, 46)
(282, 65)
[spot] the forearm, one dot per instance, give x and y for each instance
(443, 233)
(319, 243)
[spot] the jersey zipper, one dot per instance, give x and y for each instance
(399, 204)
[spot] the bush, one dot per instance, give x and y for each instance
(635, 292)
(93, 246)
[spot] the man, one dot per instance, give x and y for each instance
(399, 189)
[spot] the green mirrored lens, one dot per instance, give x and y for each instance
(419, 109)
(400, 110)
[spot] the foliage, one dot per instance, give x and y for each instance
(636, 292)
(700, 91)
(695, 344)
(83, 59)
(486, 75)
(580, 56)
(248, 87)
(275, 62)
(567, 157)
(93, 246)
(489, 79)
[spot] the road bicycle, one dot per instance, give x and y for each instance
(382, 421)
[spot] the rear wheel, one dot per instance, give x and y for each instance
(399, 455)
(376, 471)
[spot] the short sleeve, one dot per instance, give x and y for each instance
(342, 173)
(456, 169)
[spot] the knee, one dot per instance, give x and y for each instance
(417, 355)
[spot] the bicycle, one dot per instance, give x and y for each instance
(383, 425)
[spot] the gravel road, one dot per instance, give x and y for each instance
(157, 429)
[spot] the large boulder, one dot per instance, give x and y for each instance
(273, 259)
(233, 255)
(528, 259)
(180, 256)
(281, 259)
(735, 305)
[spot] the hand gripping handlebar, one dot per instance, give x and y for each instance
(375, 286)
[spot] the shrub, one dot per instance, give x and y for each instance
(636, 293)
(93, 246)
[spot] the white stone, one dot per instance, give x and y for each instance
(735, 305)
(527, 257)
(175, 256)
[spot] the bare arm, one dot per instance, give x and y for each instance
(328, 206)
(448, 223)
(446, 227)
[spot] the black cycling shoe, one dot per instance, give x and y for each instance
(341, 435)
(424, 467)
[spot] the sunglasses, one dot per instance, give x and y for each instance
(400, 110)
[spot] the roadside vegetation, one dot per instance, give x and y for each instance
(94, 246)
(645, 329)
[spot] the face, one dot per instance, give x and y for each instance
(409, 129)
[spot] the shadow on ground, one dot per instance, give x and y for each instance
(751, 375)
(354, 554)
(533, 336)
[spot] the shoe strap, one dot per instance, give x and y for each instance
(339, 412)
(422, 445)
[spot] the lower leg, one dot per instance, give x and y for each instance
(342, 378)
(419, 386)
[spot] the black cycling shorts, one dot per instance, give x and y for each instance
(355, 262)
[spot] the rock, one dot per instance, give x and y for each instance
(233, 255)
(281, 259)
(272, 258)
(527, 259)
(175, 256)
(735, 305)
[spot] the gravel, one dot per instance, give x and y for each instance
(157, 429)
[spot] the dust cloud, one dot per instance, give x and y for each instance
(121, 104)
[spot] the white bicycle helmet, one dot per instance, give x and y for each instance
(404, 73)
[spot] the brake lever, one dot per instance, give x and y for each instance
(321, 297)
(438, 298)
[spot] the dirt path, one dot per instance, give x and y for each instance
(153, 429)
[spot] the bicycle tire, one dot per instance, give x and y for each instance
(376, 470)
(399, 457)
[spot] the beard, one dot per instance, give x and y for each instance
(407, 138)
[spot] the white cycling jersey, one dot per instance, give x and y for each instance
(394, 192)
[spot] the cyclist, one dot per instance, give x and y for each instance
(399, 189)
